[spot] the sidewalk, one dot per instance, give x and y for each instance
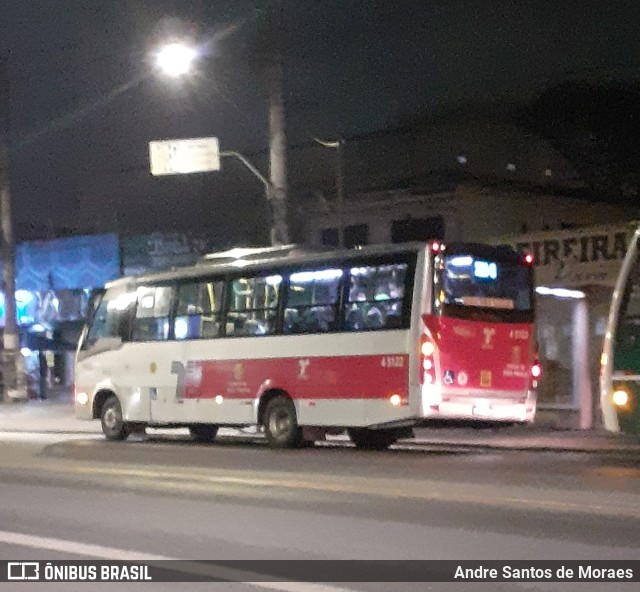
(531, 438)
(50, 415)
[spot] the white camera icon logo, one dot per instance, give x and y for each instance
(23, 570)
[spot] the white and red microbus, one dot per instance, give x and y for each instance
(374, 341)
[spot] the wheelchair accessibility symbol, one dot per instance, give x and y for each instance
(449, 376)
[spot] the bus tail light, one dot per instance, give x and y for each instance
(427, 362)
(536, 371)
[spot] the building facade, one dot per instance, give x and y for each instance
(468, 212)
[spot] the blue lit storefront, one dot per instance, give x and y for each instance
(53, 283)
(55, 279)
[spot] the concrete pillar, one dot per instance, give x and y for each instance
(582, 393)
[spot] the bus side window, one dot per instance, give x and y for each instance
(628, 332)
(312, 301)
(376, 297)
(151, 322)
(253, 306)
(198, 311)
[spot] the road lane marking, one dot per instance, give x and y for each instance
(45, 437)
(189, 481)
(75, 548)
(114, 554)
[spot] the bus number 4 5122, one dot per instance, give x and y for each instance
(392, 362)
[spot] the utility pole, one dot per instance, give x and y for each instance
(14, 383)
(277, 193)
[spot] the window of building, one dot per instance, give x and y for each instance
(354, 235)
(312, 301)
(417, 229)
(376, 296)
(153, 313)
(330, 237)
(253, 306)
(198, 310)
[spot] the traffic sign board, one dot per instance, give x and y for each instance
(181, 157)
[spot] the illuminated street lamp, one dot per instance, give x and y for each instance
(176, 59)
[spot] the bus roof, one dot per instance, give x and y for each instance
(253, 259)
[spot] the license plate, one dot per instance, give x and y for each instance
(481, 411)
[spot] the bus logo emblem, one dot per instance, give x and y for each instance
(489, 334)
(463, 378)
(302, 369)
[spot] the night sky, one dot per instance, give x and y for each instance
(85, 103)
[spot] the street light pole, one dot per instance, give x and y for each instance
(340, 191)
(277, 137)
(14, 382)
(339, 146)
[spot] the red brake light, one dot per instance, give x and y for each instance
(436, 247)
(528, 259)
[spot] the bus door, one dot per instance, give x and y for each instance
(153, 354)
(200, 370)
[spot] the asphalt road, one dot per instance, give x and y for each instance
(66, 496)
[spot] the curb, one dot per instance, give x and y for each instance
(603, 448)
(625, 449)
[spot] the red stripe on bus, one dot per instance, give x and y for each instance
(330, 377)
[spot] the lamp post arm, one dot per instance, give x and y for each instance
(253, 169)
(334, 144)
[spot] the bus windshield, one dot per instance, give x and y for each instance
(465, 281)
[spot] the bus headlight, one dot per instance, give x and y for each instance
(82, 398)
(620, 398)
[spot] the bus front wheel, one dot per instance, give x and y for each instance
(367, 439)
(281, 423)
(113, 425)
(203, 432)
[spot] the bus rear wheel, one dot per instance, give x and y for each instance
(113, 425)
(281, 423)
(203, 432)
(367, 439)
